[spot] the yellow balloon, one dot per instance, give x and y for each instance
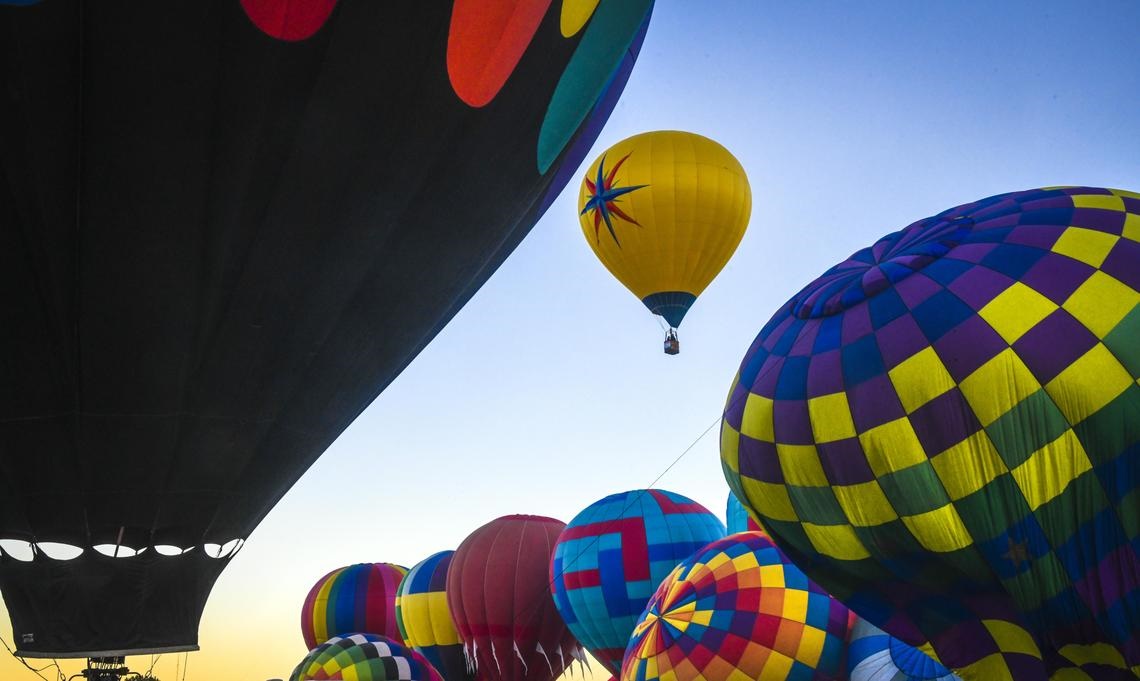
(664, 211)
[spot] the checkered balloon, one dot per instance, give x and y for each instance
(364, 657)
(944, 431)
(611, 557)
(737, 609)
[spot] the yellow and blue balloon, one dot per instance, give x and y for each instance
(664, 211)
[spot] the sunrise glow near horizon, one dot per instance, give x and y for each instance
(549, 390)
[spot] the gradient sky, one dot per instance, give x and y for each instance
(549, 389)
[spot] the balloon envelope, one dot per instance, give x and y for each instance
(363, 657)
(225, 227)
(359, 598)
(425, 622)
(611, 557)
(499, 597)
(664, 211)
(874, 655)
(738, 519)
(738, 609)
(944, 431)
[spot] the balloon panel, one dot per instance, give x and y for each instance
(944, 431)
(874, 655)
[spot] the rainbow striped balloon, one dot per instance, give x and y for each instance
(358, 598)
(425, 622)
(363, 657)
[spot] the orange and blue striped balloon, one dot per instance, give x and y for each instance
(359, 598)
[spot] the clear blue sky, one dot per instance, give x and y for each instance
(550, 390)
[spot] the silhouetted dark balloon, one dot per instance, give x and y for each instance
(225, 227)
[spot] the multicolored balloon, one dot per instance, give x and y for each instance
(874, 655)
(359, 598)
(499, 597)
(664, 211)
(611, 557)
(364, 657)
(944, 431)
(737, 609)
(424, 620)
(737, 517)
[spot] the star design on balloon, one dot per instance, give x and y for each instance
(604, 199)
(1018, 552)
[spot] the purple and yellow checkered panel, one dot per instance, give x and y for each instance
(364, 657)
(736, 610)
(944, 431)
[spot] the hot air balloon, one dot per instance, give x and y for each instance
(738, 609)
(364, 657)
(225, 227)
(499, 597)
(944, 431)
(664, 211)
(737, 517)
(359, 598)
(611, 557)
(874, 655)
(425, 622)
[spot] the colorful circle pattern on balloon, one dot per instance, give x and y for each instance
(944, 431)
(738, 609)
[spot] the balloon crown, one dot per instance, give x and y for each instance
(871, 270)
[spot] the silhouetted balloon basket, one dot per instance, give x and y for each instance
(672, 343)
(105, 669)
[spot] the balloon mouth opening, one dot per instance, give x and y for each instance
(672, 305)
(872, 270)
